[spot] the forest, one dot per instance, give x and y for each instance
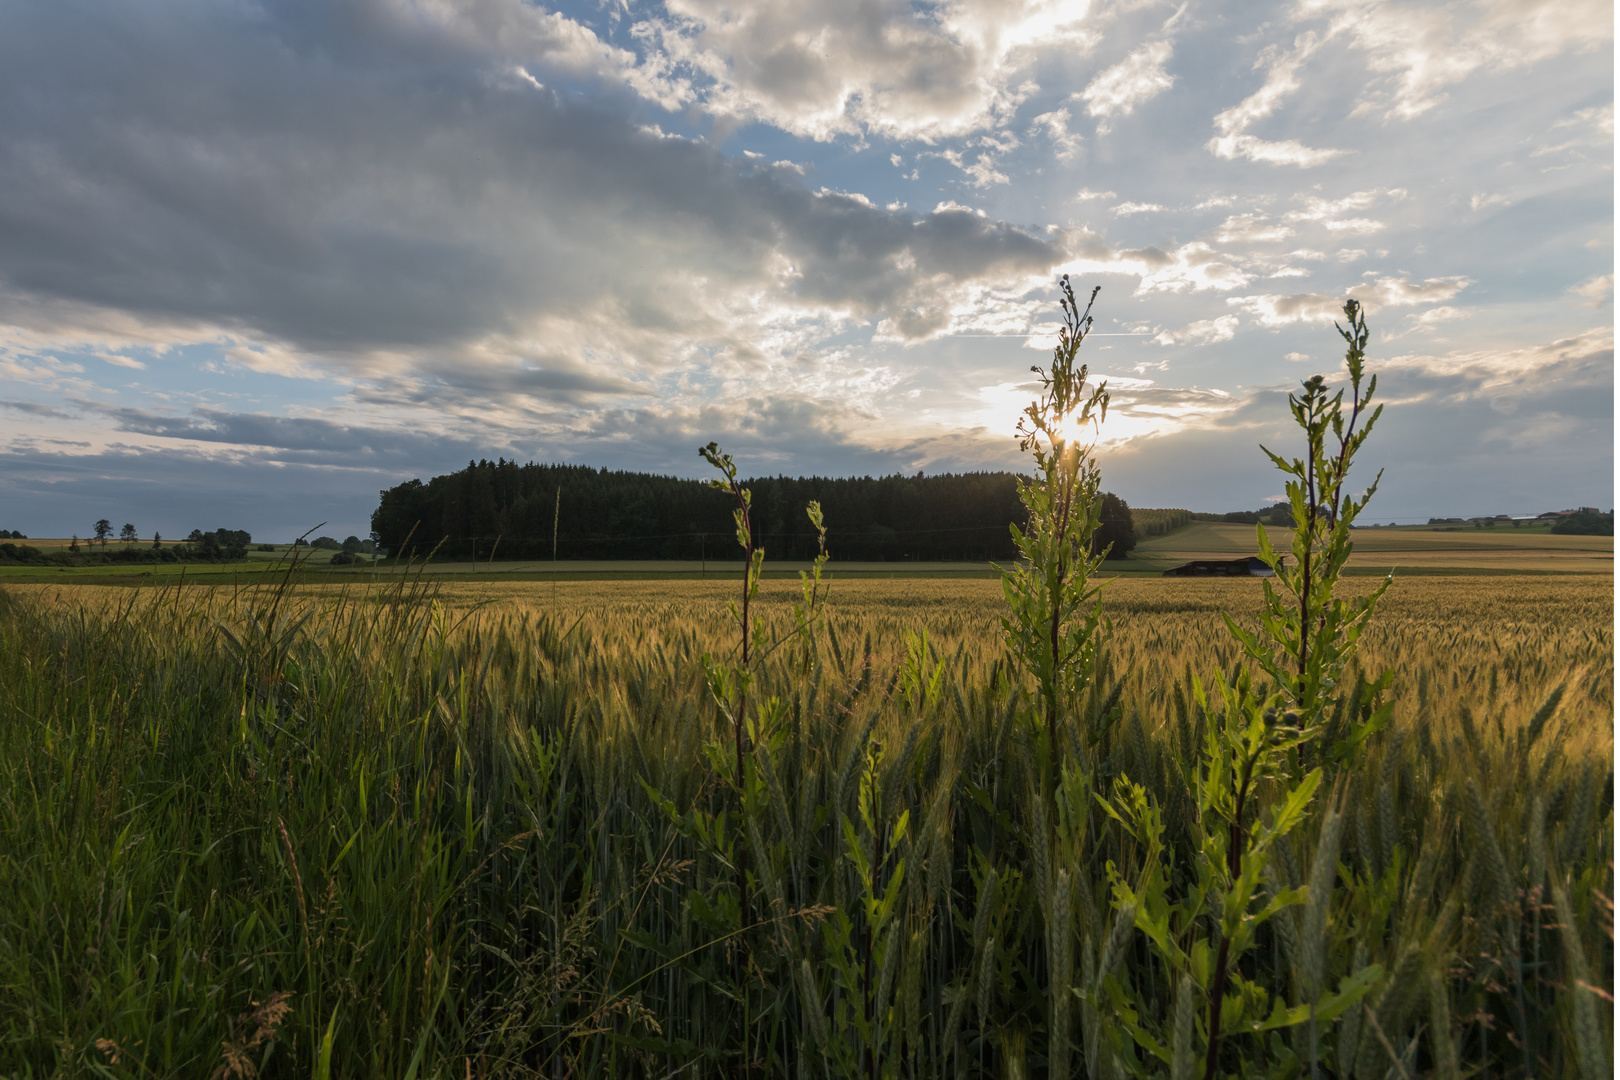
(505, 510)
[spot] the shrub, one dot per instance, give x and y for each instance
(1585, 523)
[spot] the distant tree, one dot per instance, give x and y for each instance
(75, 545)
(327, 543)
(194, 536)
(103, 530)
(351, 545)
(300, 542)
(157, 540)
(126, 535)
(1115, 531)
(1585, 522)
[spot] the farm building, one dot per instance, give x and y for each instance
(1252, 566)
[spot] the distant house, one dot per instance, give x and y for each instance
(1251, 566)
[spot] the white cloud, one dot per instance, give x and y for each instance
(1282, 152)
(981, 171)
(826, 68)
(1593, 130)
(118, 360)
(1194, 267)
(1515, 367)
(1328, 213)
(1233, 124)
(1274, 311)
(1250, 229)
(1087, 195)
(1055, 126)
(1126, 208)
(1202, 332)
(1596, 291)
(1355, 226)
(1138, 78)
(1421, 51)
(1436, 316)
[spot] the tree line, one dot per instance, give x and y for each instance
(501, 509)
(219, 545)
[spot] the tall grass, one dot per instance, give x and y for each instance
(432, 829)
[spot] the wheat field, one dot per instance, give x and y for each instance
(485, 830)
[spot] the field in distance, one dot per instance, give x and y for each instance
(1406, 550)
(1410, 550)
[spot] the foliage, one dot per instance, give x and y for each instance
(602, 514)
(484, 761)
(1309, 634)
(1585, 523)
(1116, 527)
(1280, 514)
(1150, 523)
(1055, 607)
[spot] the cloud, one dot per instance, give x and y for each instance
(830, 68)
(1087, 195)
(982, 171)
(1275, 311)
(309, 437)
(1234, 140)
(1420, 51)
(1055, 126)
(1191, 267)
(34, 408)
(1127, 208)
(1138, 78)
(1587, 357)
(1595, 291)
(1202, 332)
(415, 221)
(1250, 229)
(1436, 316)
(1593, 131)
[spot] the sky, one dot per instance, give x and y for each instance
(261, 260)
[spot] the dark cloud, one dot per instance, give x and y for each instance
(308, 436)
(33, 408)
(319, 175)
